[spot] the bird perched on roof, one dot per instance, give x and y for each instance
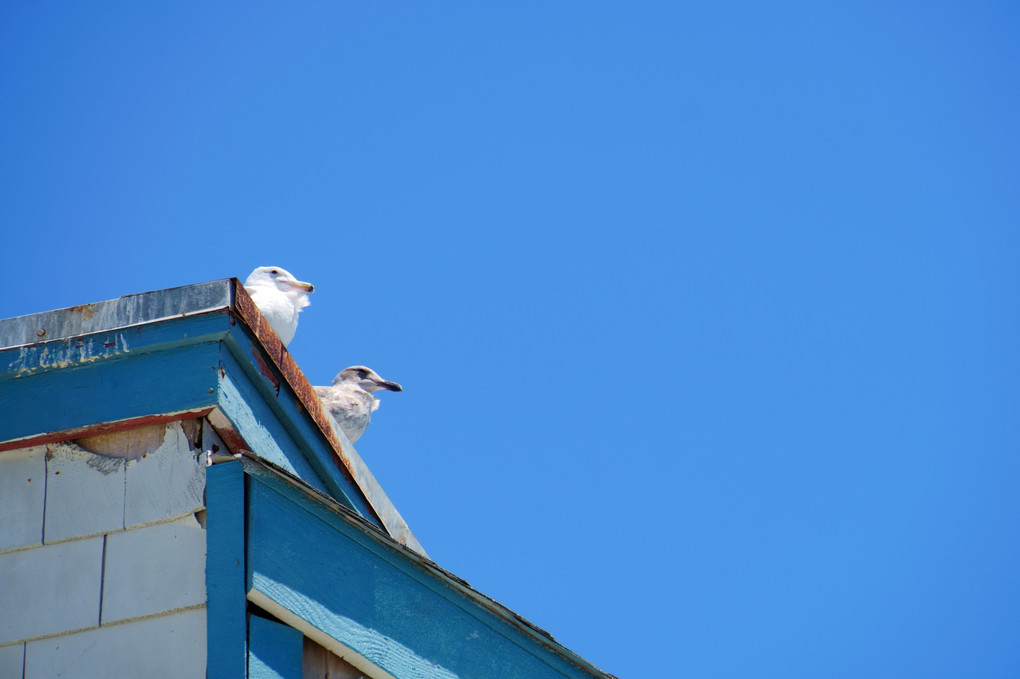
(351, 402)
(280, 297)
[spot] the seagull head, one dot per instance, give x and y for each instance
(282, 280)
(366, 378)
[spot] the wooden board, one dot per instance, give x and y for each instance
(165, 483)
(389, 614)
(53, 589)
(167, 646)
(153, 570)
(84, 493)
(225, 571)
(22, 497)
(170, 381)
(274, 650)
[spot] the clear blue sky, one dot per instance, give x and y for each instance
(706, 315)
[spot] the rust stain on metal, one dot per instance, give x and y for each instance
(102, 428)
(309, 400)
(302, 389)
(254, 319)
(85, 310)
(41, 333)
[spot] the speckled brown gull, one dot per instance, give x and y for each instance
(350, 400)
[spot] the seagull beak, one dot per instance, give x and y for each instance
(391, 386)
(301, 285)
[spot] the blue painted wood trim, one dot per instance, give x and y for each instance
(298, 423)
(226, 606)
(278, 431)
(322, 565)
(149, 383)
(259, 426)
(274, 650)
(122, 342)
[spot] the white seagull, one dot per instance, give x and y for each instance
(280, 297)
(350, 400)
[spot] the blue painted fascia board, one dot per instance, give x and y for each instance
(113, 375)
(255, 422)
(319, 563)
(100, 347)
(264, 409)
(78, 396)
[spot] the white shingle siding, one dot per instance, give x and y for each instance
(166, 483)
(102, 560)
(84, 493)
(51, 589)
(12, 660)
(154, 569)
(22, 492)
(168, 646)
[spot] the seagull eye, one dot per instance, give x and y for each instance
(274, 271)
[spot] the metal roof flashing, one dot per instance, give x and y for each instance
(123, 312)
(33, 334)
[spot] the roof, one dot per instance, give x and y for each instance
(222, 351)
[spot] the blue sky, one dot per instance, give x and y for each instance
(706, 316)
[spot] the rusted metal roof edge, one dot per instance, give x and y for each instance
(345, 454)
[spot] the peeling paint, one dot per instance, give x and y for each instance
(104, 465)
(67, 353)
(31, 360)
(100, 428)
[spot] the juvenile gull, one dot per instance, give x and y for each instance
(280, 297)
(350, 400)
